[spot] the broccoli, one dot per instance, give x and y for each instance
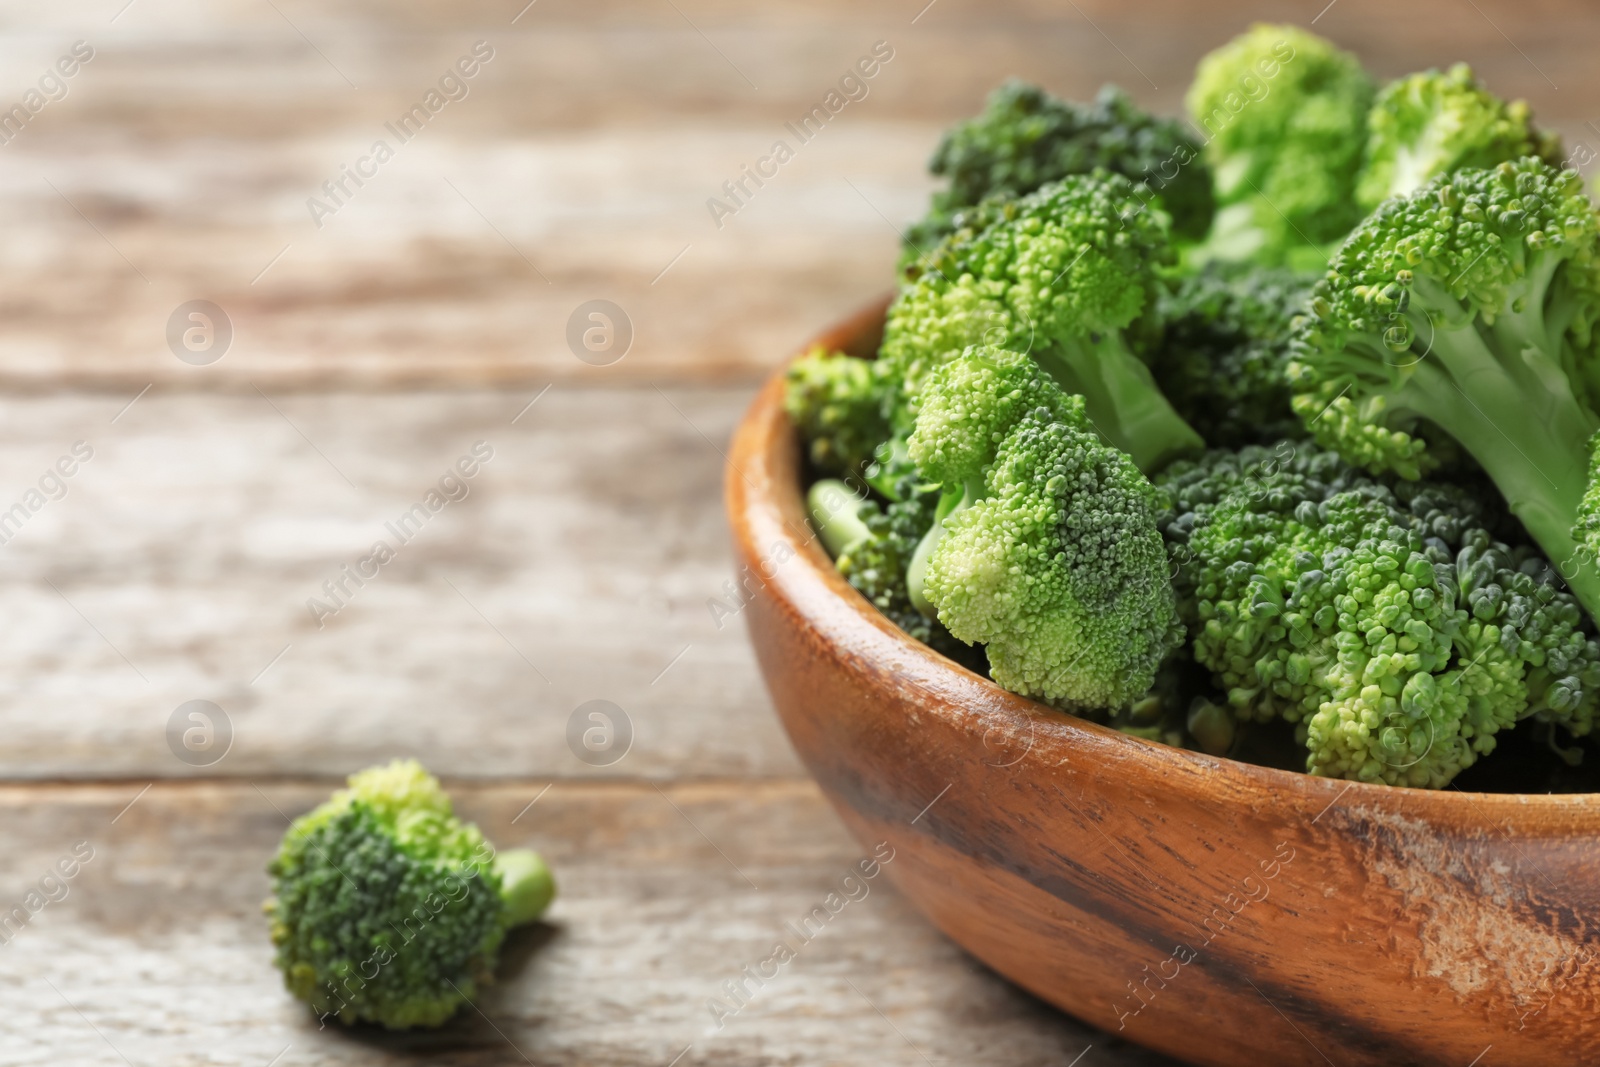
(1026, 138)
(1467, 309)
(387, 908)
(1048, 551)
(1286, 113)
(1386, 622)
(1430, 123)
(1070, 278)
(872, 546)
(837, 402)
(1224, 352)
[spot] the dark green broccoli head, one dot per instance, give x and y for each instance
(1393, 629)
(1428, 124)
(1467, 310)
(1224, 351)
(837, 401)
(1286, 113)
(1025, 138)
(387, 908)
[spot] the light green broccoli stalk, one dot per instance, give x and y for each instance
(387, 908)
(1051, 557)
(1428, 124)
(1025, 138)
(1069, 278)
(1286, 115)
(1395, 631)
(1468, 308)
(837, 402)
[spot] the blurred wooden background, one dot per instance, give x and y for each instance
(372, 351)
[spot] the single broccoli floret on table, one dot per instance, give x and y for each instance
(837, 402)
(1286, 114)
(1468, 309)
(1070, 279)
(386, 908)
(1428, 124)
(1026, 138)
(1224, 351)
(1049, 554)
(1393, 629)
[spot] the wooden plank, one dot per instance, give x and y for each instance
(181, 164)
(159, 952)
(179, 565)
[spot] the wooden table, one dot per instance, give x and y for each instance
(426, 314)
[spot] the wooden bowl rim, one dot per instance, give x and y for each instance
(765, 507)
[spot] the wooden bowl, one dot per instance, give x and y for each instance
(1220, 912)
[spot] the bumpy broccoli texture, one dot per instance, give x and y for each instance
(1388, 624)
(1025, 138)
(387, 908)
(1069, 278)
(837, 402)
(1431, 123)
(1224, 352)
(1286, 114)
(1050, 555)
(1468, 309)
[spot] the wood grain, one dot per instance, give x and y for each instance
(667, 892)
(1217, 911)
(181, 163)
(180, 563)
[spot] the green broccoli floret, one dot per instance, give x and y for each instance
(1051, 557)
(1428, 124)
(1069, 278)
(837, 402)
(1026, 138)
(387, 908)
(872, 547)
(1286, 113)
(1224, 352)
(1391, 627)
(1468, 308)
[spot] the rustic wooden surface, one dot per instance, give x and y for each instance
(368, 355)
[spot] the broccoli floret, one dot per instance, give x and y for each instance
(1467, 308)
(1224, 352)
(1051, 558)
(1069, 278)
(872, 547)
(837, 402)
(1428, 124)
(1026, 138)
(1286, 113)
(1392, 628)
(387, 908)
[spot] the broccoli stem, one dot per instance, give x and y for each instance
(956, 499)
(1520, 420)
(526, 885)
(836, 513)
(1124, 403)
